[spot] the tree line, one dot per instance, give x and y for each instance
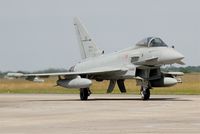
(188, 69)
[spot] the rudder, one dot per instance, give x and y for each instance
(87, 46)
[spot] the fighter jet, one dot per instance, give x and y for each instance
(141, 62)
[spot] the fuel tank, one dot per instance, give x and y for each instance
(77, 82)
(164, 82)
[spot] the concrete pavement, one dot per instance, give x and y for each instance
(102, 114)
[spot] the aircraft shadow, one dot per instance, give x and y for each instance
(137, 99)
(117, 99)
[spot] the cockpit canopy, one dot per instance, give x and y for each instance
(151, 42)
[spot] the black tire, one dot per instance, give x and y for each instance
(84, 93)
(145, 93)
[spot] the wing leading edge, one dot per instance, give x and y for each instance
(99, 71)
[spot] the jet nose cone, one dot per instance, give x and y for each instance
(178, 55)
(171, 56)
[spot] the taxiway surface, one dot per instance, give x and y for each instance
(107, 114)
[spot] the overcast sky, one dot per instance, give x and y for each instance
(39, 34)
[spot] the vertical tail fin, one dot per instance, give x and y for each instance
(87, 46)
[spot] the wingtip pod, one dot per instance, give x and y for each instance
(16, 75)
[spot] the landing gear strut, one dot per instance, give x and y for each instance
(84, 93)
(145, 92)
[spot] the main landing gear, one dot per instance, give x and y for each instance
(84, 93)
(145, 92)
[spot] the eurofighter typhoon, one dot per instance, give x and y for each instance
(141, 63)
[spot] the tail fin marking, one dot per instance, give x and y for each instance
(87, 46)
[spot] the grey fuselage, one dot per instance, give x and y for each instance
(130, 59)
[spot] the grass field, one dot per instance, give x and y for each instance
(190, 85)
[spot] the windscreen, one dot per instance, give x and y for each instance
(157, 42)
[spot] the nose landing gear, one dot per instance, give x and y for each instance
(84, 93)
(145, 92)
